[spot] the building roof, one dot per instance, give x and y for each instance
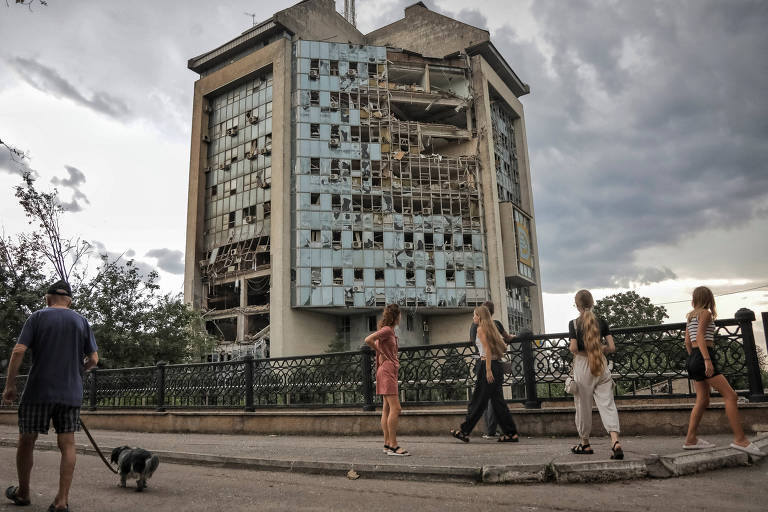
(489, 52)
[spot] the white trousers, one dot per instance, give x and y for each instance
(588, 386)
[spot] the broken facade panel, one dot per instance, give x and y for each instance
(369, 190)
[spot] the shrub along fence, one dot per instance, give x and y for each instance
(650, 362)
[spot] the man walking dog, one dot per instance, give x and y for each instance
(62, 347)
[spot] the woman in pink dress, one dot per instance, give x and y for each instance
(384, 342)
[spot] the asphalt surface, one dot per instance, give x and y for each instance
(442, 451)
(176, 488)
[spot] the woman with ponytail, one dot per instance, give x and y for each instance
(591, 376)
(384, 342)
(490, 377)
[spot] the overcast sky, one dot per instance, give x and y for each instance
(647, 127)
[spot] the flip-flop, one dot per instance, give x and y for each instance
(11, 493)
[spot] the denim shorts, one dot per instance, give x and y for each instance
(37, 418)
(696, 368)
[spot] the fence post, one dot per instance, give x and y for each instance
(249, 384)
(529, 370)
(745, 317)
(366, 360)
(92, 390)
(160, 386)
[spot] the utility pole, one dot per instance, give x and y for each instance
(349, 12)
(253, 17)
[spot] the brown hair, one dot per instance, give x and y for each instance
(491, 333)
(489, 305)
(390, 316)
(703, 300)
(590, 331)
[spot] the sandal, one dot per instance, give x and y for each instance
(52, 508)
(582, 449)
(387, 448)
(394, 451)
(12, 493)
(461, 436)
(618, 453)
(506, 438)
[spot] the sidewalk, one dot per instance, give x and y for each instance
(534, 459)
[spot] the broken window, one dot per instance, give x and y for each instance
(334, 68)
(224, 296)
(378, 274)
(378, 239)
(336, 202)
(258, 291)
(314, 166)
(314, 130)
(338, 276)
(372, 323)
(314, 98)
(450, 273)
(224, 329)
(267, 208)
(231, 220)
(314, 199)
(358, 274)
(315, 236)
(354, 132)
(214, 190)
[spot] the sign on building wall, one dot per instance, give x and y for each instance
(524, 244)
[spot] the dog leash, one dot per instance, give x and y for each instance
(98, 450)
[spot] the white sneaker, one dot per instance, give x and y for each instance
(490, 436)
(700, 445)
(750, 449)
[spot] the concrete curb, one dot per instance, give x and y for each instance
(655, 466)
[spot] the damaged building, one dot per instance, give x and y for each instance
(333, 172)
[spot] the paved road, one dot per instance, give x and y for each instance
(177, 488)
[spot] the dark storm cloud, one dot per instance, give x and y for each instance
(73, 182)
(647, 125)
(170, 260)
(48, 80)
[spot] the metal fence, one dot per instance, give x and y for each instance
(650, 362)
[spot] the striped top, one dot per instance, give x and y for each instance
(693, 330)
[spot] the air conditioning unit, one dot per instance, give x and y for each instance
(232, 131)
(408, 246)
(447, 247)
(225, 166)
(429, 289)
(251, 156)
(356, 244)
(426, 211)
(315, 282)
(208, 169)
(334, 142)
(357, 289)
(264, 184)
(249, 219)
(406, 211)
(334, 105)
(314, 74)
(462, 184)
(253, 118)
(266, 150)
(468, 247)
(334, 177)
(206, 139)
(352, 72)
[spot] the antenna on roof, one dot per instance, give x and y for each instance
(349, 12)
(253, 17)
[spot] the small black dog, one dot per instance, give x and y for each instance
(135, 463)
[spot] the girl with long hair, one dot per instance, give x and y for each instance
(384, 342)
(591, 376)
(490, 378)
(702, 369)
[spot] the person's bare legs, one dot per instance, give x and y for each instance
(615, 439)
(720, 383)
(66, 444)
(25, 459)
(702, 402)
(393, 401)
(384, 425)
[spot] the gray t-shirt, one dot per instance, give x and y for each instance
(59, 340)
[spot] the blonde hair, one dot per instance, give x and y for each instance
(703, 300)
(590, 331)
(390, 317)
(492, 336)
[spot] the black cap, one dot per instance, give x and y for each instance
(60, 287)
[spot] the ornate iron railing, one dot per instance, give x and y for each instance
(650, 362)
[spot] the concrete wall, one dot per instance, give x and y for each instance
(318, 20)
(635, 420)
(450, 328)
(428, 33)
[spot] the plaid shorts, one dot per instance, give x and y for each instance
(36, 418)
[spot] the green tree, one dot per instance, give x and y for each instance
(628, 309)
